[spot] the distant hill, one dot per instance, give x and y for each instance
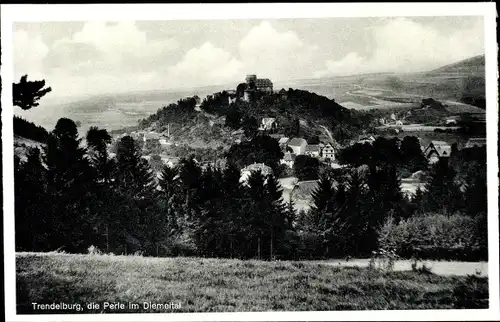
(470, 66)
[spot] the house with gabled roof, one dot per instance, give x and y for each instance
(437, 150)
(298, 145)
(475, 142)
(268, 124)
(247, 171)
(313, 150)
(288, 159)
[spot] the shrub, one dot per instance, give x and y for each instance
(92, 250)
(383, 260)
(471, 293)
(434, 236)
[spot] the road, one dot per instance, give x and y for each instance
(445, 268)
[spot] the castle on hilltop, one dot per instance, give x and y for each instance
(257, 84)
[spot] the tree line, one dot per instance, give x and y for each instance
(71, 197)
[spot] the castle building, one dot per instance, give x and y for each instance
(257, 84)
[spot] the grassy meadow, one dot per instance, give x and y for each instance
(225, 285)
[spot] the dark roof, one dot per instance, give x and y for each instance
(442, 148)
(263, 82)
(313, 148)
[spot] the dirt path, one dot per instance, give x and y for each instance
(437, 267)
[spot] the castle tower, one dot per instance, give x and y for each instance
(251, 80)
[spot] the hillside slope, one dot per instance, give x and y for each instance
(469, 66)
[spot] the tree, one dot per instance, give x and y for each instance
(261, 149)
(250, 126)
(323, 196)
(306, 167)
(352, 222)
(293, 128)
(442, 192)
(240, 89)
(412, 157)
(33, 232)
(233, 118)
(234, 217)
(26, 94)
(136, 188)
(97, 141)
(70, 188)
(277, 215)
(256, 223)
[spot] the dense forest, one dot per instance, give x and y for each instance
(70, 197)
(287, 106)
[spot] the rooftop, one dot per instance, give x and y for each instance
(297, 142)
(313, 148)
(283, 140)
(442, 148)
(258, 167)
(289, 156)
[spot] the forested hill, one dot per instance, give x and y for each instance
(288, 107)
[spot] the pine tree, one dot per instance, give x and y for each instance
(442, 192)
(323, 197)
(32, 227)
(352, 222)
(232, 199)
(277, 218)
(26, 94)
(256, 218)
(70, 188)
(97, 141)
(136, 188)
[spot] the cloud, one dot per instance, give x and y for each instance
(263, 51)
(101, 47)
(403, 45)
(205, 65)
(105, 57)
(29, 54)
(278, 55)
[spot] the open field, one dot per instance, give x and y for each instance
(203, 285)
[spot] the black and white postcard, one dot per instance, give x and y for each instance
(252, 161)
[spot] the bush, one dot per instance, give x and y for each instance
(435, 236)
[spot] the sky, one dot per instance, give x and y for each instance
(96, 57)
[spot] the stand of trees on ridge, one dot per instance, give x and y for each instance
(288, 107)
(70, 197)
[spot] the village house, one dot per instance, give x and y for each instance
(437, 150)
(268, 124)
(475, 142)
(313, 150)
(163, 142)
(277, 136)
(247, 171)
(288, 159)
(231, 100)
(283, 143)
(298, 145)
(328, 152)
(366, 139)
(150, 136)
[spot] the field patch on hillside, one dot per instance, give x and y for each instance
(223, 285)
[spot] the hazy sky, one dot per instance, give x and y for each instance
(80, 58)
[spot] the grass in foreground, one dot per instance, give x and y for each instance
(223, 285)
